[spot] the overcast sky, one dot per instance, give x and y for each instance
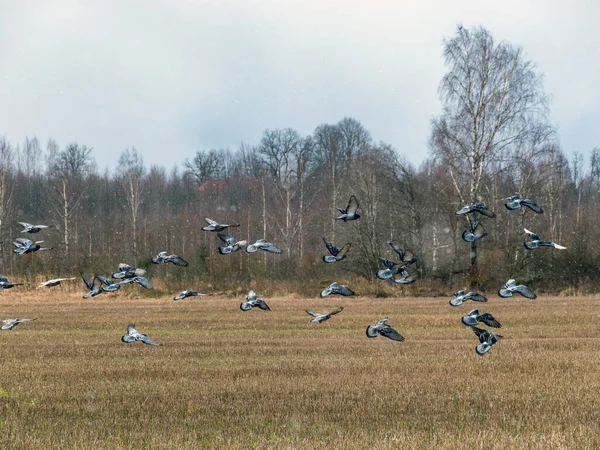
(173, 77)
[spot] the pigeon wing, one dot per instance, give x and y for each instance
(489, 320)
(227, 239)
(525, 292)
(504, 293)
(344, 250)
(390, 333)
(310, 313)
(532, 235)
(343, 290)
(352, 206)
(330, 247)
(88, 283)
(481, 334)
(476, 297)
(336, 311)
(178, 261)
(210, 221)
(271, 248)
(263, 305)
(532, 206)
(482, 209)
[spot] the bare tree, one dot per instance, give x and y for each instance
(67, 176)
(206, 165)
(492, 100)
(130, 174)
(6, 161)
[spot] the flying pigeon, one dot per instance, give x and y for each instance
(516, 202)
(318, 318)
(405, 278)
(537, 242)
(142, 281)
(487, 339)
(93, 287)
(335, 288)
(336, 254)
(252, 301)
(27, 246)
(163, 258)
(134, 335)
(263, 245)
(511, 287)
(461, 297)
(473, 318)
(126, 271)
(231, 245)
(476, 232)
(185, 294)
(9, 324)
(5, 284)
(108, 285)
(406, 256)
(381, 327)
(54, 282)
(350, 212)
(29, 228)
(392, 268)
(476, 207)
(216, 226)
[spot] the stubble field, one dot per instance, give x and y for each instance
(224, 378)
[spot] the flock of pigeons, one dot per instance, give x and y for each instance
(396, 271)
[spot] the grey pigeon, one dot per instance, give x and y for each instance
(5, 284)
(93, 287)
(231, 245)
(29, 228)
(108, 285)
(9, 324)
(476, 208)
(335, 254)
(511, 287)
(350, 212)
(461, 297)
(163, 258)
(318, 317)
(142, 281)
(54, 282)
(186, 293)
(216, 226)
(339, 289)
(134, 335)
(474, 317)
(252, 301)
(392, 268)
(24, 246)
(263, 245)
(406, 256)
(405, 277)
(126, 271)
(486, 339)
(516, 202)
(476, 232)
(381, 327)
(536, 242)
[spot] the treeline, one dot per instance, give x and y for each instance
(491, 141)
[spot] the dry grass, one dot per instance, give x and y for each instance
(228, 379)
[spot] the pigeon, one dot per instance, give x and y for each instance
(185, 294)
(9, 324)
(318, 318)
(476, 207)
(27, 246)
(335, 288)
(134, 335)
(392, 268)
(5, 284)
(406, 256)
(350, 212)
(108, 285)
(252, 301)
(511, 287)
(54, 282)
(263, 245)
(461, 297)
(487, 339)
(142, 281)
(93, 287)
(231, 245)
(216, 226)
(405, 278)
(536, 242)
(515, 202)
(381, 327)
(476, 232)
(163, 258)
(29, 228)
(473, 318)
(126, 271)
(336, 254)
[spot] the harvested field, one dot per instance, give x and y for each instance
(224, 378)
